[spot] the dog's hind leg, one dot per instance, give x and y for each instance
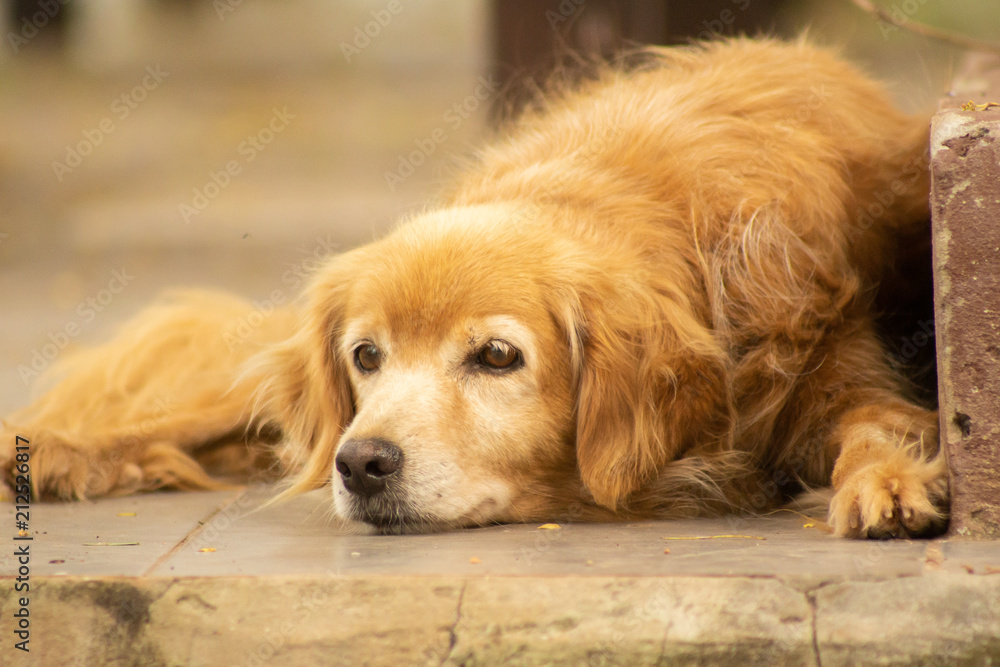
(145, 410)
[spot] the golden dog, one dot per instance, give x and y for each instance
(652, 299)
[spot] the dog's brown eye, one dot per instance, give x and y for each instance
(499, 355)
(367, 358)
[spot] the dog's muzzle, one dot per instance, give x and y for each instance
(368, 466)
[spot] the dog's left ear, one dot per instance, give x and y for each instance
(651, 385)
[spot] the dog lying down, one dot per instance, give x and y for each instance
(652, 298)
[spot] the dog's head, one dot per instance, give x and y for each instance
(473, 367)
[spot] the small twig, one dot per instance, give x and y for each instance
(972, 106)
(925, 30)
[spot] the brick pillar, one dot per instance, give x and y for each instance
(965, 207)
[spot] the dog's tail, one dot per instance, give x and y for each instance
(155, 407)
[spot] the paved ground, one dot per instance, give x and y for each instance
(211, 578)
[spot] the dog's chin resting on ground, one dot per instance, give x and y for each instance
(651, 297)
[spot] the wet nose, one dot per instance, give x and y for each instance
(366, 465)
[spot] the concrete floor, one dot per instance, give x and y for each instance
(213, 578)
(163, 535)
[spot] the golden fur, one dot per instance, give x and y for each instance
(678, 261)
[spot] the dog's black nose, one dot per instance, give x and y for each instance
(366, 465)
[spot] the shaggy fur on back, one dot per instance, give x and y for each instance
(681, 261)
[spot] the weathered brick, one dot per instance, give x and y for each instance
(965, 202)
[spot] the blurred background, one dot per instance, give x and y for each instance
(232, 143)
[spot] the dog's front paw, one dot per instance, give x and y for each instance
(898, 497)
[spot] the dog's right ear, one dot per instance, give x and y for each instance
(303, 383)
(651, 380)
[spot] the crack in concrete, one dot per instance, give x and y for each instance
(811, 600)
(809, 593)
(452, 631)
(163, 593)
(662, 658)
(162, 560)
(196, 598)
